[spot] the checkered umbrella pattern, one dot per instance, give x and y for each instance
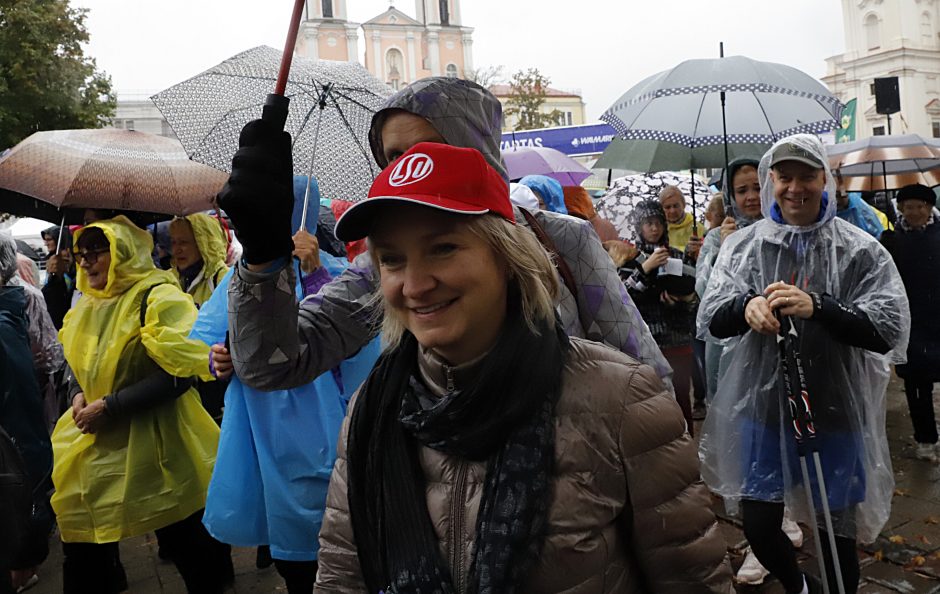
(626, 192)
(208, 111)
(764, 102)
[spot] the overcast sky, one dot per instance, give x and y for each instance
(600, 47)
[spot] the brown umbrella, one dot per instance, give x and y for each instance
(50, 173)
(887, 162)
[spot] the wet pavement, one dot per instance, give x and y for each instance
(906, 558)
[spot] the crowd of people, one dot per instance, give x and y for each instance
(473, 383)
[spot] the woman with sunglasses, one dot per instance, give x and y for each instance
(135, 452)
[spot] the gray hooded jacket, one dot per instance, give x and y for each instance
(278, 343)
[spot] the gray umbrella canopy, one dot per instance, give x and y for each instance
(765, 102)
(208, 111)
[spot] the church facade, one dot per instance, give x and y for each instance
(399, 48)
(890, 38)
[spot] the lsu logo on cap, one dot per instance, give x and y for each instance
(411, 169)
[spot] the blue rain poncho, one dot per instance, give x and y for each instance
(277, 449)
(747, 447)
(860, 214)
(549, 189)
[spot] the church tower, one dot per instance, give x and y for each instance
(401, 49)
(890, 38)
(326, 34)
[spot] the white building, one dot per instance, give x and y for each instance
(890, 38)
(135, 111)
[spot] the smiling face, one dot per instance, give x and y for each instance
(746, 188)
(441, 281)
(915, 212)
(798, 190)
(95, 259)
(183, 244)
(402, 130)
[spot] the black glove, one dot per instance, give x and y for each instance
(259, 194)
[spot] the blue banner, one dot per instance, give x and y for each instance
(571, 140)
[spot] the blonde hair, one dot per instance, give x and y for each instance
(531, 274)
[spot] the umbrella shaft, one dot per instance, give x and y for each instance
(289, 44)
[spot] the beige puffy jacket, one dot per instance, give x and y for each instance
(630, 513)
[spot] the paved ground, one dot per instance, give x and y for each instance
(906, 558)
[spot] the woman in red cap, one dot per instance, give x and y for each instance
(456, 471)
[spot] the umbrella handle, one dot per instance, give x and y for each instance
(275, 105)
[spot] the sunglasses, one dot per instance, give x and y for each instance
(90, 256)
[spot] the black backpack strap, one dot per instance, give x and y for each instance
(143, 303)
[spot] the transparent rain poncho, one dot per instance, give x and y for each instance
(748, 449)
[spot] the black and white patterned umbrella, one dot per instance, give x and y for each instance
(765, 102)
(626, 192)
(208, 111)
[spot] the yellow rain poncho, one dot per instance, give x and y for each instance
(681, 232)
(212, 244)
(153, 469)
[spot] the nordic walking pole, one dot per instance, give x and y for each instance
(823, 495)
(275, 105)
(797, 419)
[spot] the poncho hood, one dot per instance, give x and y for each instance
(463, 113)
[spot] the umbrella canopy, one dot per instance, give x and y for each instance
(626, 192)
(51, 172)
(648, 156)
(887, 162)
(208, 111)
(765, 102)
(544, 161)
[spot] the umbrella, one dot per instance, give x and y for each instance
(52, 172)
(887, 162)
(545, 161)
(331, 104)
(626, 192)
(685, 106)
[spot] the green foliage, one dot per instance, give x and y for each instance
(46, 81)
(528, 89)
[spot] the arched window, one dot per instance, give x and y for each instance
(327, 9)
(445, 12)
(451, 71)
(394, 66)
(872, 31)
(926, 30)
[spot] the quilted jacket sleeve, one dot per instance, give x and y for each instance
(673, 532)
(279, 344)
(339, 563)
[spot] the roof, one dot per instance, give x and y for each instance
(400, 18)
(504, 91)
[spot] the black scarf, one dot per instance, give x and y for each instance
(506, 417)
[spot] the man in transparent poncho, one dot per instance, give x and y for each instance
(843, 296)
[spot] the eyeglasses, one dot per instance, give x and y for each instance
(90, 256)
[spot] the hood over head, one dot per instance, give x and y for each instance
(463, 113)
(813, 150)
(727, 188)
(550, 189)
(130, 248)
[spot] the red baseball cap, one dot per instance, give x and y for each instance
(440, 176)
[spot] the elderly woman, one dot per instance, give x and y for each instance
(808, 295)
(198, 247)
(458, 473)
(135, 452)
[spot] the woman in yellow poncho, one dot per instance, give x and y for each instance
(198, 245)
(135, 453)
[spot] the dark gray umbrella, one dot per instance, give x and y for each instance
(331, 107)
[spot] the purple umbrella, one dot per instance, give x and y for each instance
(545, 161)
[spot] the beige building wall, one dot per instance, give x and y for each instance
(569, 103)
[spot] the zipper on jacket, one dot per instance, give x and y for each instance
(449, 375)
(458, 530)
